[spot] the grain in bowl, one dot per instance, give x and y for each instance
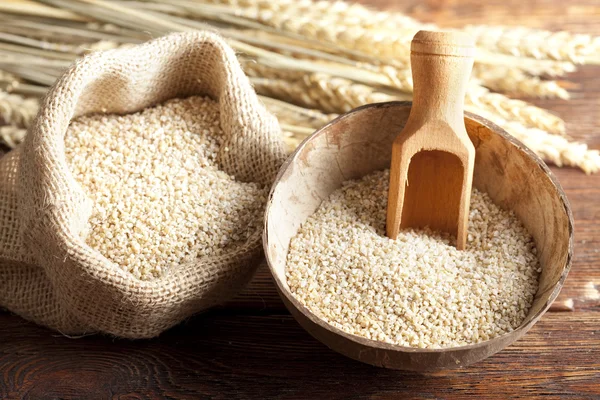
(417, 290)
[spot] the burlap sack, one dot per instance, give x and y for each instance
(47, 272)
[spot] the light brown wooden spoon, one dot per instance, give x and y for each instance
(431, 172)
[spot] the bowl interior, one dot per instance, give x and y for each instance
(360, 142)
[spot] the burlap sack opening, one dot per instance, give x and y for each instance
(47, 272)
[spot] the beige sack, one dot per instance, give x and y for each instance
(47, 272)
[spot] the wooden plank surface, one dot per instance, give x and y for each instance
(252, 348)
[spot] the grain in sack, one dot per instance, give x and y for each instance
(136, 199)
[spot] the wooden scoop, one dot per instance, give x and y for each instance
(431, 172)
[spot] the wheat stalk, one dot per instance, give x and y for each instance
(515, 81)
(161, 24)
(254, 69)
(295, 115)
(127, 35)
(320, 91)
(48, 54)
(24, 89)
(16, 39)
(356, 27)
(37, 74)
(536, 43)
(325, 56)
(324, 92)
(349, 26)
(528, 114)
(35, 9)
(504, 106)
(363, 32)
(86, 33)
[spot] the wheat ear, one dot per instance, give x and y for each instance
(17, 110)
(255, 69)
(513, 109)
(536, 43)
(531, 66)
(552, 148)
(392, 45)
(319, 91)
(515, 81)
(352, 14)
(11, 135)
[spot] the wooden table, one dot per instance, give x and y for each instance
(252, 348)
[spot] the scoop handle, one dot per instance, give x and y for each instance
(441, 65)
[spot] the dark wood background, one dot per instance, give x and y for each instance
(253, 349)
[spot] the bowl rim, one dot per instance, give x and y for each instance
(360, 340)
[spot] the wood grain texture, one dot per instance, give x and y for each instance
(253, 349)
(239, 356)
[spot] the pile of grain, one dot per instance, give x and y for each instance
(418, 290)
(159, 198)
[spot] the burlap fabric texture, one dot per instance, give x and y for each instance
(47, 272)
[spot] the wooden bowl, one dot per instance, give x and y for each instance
(358, 143)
